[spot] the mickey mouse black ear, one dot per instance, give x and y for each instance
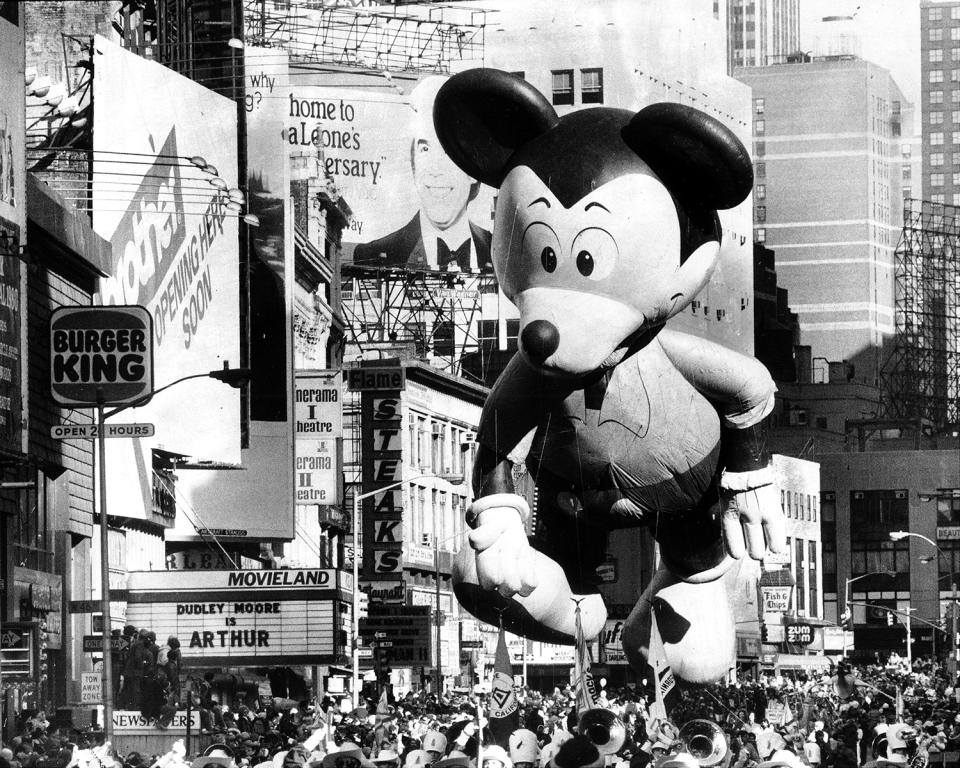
(482, 116)
(699, 159)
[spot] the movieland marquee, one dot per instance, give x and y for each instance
(238, 617)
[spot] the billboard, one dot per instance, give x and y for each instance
(13, 219)
(175, 253)
(241, 617)
(411, 206)
(257, 501)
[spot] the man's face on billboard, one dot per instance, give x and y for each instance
(443, 188)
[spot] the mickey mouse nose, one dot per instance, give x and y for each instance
(540, 340)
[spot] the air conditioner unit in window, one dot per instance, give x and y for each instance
(437, 428)
(468, 439)
(426, 539)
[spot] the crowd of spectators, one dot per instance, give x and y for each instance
(146, 676)
(774, 721)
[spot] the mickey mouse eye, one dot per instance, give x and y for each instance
(540, 243)
(596, 252)
(548, 257)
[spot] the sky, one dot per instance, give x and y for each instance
(888, 30)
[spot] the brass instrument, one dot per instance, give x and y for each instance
(706, 741)
(604, 729)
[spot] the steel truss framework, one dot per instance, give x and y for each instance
(923, 378)
(440, 316)
(420, 38)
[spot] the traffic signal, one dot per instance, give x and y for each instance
(382, 661)
(846, 620)
(891, 619)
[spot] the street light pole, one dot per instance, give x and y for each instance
(846, 598)
(235, 377)
(954, 651)
(107, 675)
(357, 498)
(436, 618)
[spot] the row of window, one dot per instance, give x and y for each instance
(936, 116)
(938, 159)
(798, 506)
(935, 34)
(806, 597)
(936, 76)
(936, 13)
(937, 138)
(439, 447)
(591, 85)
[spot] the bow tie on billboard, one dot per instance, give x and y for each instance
(453, 260)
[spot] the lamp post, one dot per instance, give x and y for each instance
(357, 498)
(846, 597)
(235, 377)
(954, 652)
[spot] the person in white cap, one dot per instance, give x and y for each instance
(440, 236)
(434, 744)
(417, 758)
(524, 749)
(496, 757)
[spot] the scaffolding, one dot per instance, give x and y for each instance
(422, 38)
(922, 382)
(452, 320)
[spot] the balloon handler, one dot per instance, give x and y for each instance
(606, 227)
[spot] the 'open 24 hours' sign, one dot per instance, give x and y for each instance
(101, 355)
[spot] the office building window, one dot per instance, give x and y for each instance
(954, 76)
(936, 159)
(936, 179)
(563, 86)
(955, 54)
(955, 94)
(759, 104)
(955, 12)
(935, 14)
(812, 577)
(935, 55)
(936, 97)
(799, 573)
(873, 514)
(760, 170)
(936, 138)
(956, 178)
(933, 76)
(591, 86)
(761, 192)
(760, 148)
(761, 235)
(955, 116)
(759, 126)
(937, 199)
(936, 117)
(955, 33)
(935, 34)
(761, 213)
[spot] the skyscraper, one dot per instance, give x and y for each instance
(827, 198)
(761, 32)
(940, 105)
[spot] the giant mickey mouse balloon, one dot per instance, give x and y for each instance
(605, 228)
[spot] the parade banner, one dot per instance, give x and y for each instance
(504, 714)
(174, 252)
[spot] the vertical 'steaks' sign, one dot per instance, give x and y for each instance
(100, 355)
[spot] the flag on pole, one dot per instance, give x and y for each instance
(586, 693)
(504, 714)
(383, 706)
(663, 680)
(899, 704)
